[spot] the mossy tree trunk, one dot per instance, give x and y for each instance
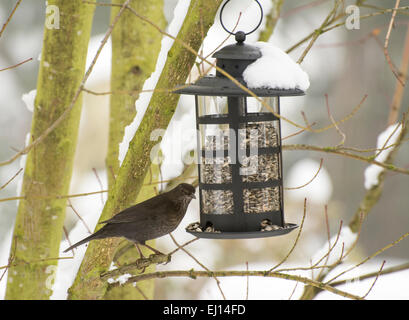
(135, 48)
(39, 223)
(200, 16)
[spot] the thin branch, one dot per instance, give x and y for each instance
(247, 281)
(183, 245)
(326, 256)
(256, 273)
(328, 20)
(298, 132)
(11, 179)
(79, 216)
(141, 292)
(10, 260)
(100, 184)
(385, 48)
(373, 283)
(9, 18)
(343, 136)
(400, 126)
(333, 150)
(311, 180)
(296, 239)
(300, 8)
(401, 267)
(373, 14)
(54, 196)
(400, 89)
(199, 263)
(370, 257)
(16, 65)
(35, 261)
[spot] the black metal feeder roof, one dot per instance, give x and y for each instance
(234, 59)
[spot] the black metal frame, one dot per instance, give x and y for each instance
(240, 224)
(234, 59)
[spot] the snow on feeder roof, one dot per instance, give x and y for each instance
(263, 68)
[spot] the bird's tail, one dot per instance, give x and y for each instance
(94, 236)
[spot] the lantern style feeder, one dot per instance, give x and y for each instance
(239, 151)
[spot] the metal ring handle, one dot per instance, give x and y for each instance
(228, 31)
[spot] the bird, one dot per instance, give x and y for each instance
(147, 220)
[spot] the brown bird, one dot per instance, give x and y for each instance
(147, 220)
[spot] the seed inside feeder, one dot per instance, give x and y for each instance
(217, 201)
(261, 200)
(195, 227)
(266, 225)
(260, 168)
(216, 169)
(265, 132)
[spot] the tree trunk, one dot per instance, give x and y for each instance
(98, 257)
(135, 49)
(39, 223)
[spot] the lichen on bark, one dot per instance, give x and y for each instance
(39, 223)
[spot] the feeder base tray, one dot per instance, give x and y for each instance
(288, 227)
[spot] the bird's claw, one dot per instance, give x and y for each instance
(160, 258)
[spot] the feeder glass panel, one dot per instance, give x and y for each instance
(254, 105)
(209, 105)
(215, 168)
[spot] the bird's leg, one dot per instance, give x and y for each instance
(141, 256)
(153, 249)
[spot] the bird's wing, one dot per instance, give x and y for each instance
(159, 203)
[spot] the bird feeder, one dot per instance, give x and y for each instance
(240, 164)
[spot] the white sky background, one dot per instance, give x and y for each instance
(209, 252)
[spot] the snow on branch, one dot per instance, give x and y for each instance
(385, 140)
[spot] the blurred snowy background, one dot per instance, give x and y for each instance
(340, 65)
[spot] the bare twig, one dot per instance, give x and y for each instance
(394, 269)
(329, 28)
(333, 150)
(370, 257)
(343, 136)
(311, 180)
(9, 18)
(183, 245)
(327, 21)
(298, 132)
(16, 65)
(141, 292)
(247, 281)
(255, 273)
(399, 91)
(373, 283)
(296, 239)
(11, 179)
(199, 263)
(385, 48)
(79, 216)
(100, 184)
